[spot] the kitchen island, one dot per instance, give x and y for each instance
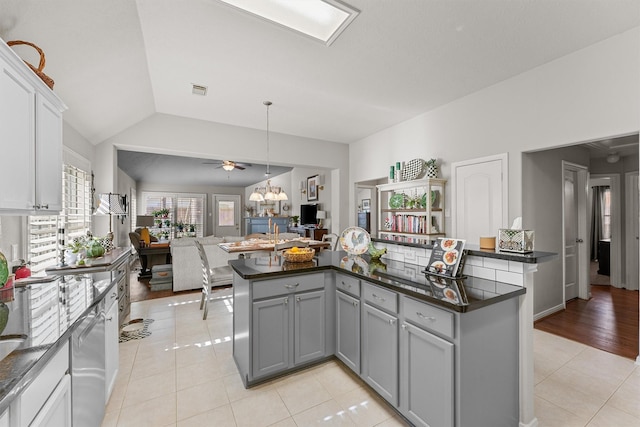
(45, 314)
(442, 352)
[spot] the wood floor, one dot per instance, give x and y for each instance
(608, 321)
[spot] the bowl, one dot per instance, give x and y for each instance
(298, 254)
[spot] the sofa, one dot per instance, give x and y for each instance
(187, 270)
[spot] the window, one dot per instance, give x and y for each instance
(48, 234)
(185, 208)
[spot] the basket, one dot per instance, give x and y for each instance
(46, 79)
(302, 255)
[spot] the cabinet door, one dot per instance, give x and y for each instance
(348, 330)
(309, 327)
(270, 336)
(57, 411)
(426, 377)
(17, 141)
(48, 156)
(380, 352)
(111, 344)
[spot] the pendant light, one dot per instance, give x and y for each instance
(272, 193)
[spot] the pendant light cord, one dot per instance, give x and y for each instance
(268, 103)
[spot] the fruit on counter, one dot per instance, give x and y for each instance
(23, 271)
(375, 252)
(4, 269)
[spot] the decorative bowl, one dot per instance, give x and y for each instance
(298, 254)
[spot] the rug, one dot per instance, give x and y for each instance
(135, 329)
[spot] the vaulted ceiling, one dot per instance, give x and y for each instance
(116, 62)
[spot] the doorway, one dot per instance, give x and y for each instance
(226, 215)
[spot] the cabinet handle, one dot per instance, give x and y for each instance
(377, 297)
(355, 304)
(298, 299)
(291, 286)
(346, 285)
(429, 318)
(45, 206)
(404, 326)
(286, 301)
(109, 319)
(392, 321)
(113, 295)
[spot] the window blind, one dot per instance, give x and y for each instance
(187, 208)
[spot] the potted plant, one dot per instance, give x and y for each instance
(432, 168)
(180, 226)
(294, 220)
(161, 213)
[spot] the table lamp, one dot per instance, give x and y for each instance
(145, 221)
(320, 215)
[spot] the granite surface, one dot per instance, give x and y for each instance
(459, 295)
(44, 312)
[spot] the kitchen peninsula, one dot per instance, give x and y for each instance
(443, 353)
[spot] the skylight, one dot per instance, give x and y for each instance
(322, 20)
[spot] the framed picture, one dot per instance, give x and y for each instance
(312, 188)
(366, 205)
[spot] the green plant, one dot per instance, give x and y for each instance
(294, 219)
(160, 213)
(431, 162)
(76, 245)
(179, 225)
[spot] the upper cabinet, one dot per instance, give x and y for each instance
(30, 140)
(412, 211)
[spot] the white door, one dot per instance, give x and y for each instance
(226, 215)
(631, 235)
(480, 197)
(574, 232)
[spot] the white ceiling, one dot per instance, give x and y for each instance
(116, 62)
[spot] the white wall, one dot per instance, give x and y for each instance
(166, 134)
(587, 95)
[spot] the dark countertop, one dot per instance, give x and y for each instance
(44, 311)
(469, 294)
(534, 257)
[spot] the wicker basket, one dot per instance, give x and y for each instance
(46, 79)
(301, 255)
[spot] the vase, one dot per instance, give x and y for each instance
(432, 171)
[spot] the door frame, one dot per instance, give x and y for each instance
(582, 174)
(630, 181)
(504, 157)
(615, 256)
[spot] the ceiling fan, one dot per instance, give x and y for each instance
(229, 165)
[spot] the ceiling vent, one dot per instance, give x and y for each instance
(199, 90)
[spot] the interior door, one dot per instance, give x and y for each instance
(631, 235)
(226, 215)
(575, 253)
(570, 235)
(480, 197)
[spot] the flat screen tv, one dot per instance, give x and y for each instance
(308, 214)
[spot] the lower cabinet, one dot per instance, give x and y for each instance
(380, 352)
(288, 331)
(348, 330)
(426, 377)
(57, 411)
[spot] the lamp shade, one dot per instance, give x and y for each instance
(321, 215)
(144, 221)
(110, 203)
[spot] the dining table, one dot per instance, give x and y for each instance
(256, 245)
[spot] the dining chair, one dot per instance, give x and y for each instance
(210, 278)
(332, 238)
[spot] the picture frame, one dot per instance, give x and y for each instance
(366, 205)
(312, 188)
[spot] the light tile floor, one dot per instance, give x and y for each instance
(184, 375)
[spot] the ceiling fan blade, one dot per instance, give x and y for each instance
(239, 167)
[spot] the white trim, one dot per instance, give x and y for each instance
(504, 158)
(630, 180)
(616, 227)
(70, 157)
(548, 312)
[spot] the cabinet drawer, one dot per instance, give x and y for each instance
(428, 317)
(287, 284)
(348, 284)
(380, 297)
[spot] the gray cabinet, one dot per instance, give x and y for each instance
(348, 330)
(270, 336)
(309, 327)
(426, 377)
(261, 224)
(288, 328)
(380, 352)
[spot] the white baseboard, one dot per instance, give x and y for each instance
(638, 360)
(533, 423)
(545, 313)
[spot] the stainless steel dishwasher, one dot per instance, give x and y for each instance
(88, 369)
